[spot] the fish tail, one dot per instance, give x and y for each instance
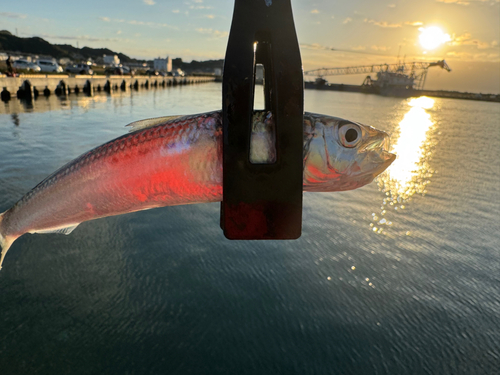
(5, 241)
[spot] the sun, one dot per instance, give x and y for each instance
(432, 37)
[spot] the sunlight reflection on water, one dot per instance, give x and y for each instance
(53, 102)
(410, 173)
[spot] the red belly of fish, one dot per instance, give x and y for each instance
(132, 175)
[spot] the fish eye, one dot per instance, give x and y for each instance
(350, 135)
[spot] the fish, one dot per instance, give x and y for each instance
(177, 160)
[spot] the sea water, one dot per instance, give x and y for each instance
(399, 277)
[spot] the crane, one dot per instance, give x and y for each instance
(408, 74)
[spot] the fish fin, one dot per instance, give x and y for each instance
(150, 122)
(5, 242)
(65, 230)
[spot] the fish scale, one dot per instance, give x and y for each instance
(178, 160)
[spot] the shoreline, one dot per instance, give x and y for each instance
(404, 93)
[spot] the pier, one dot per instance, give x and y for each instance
(29, 86)
(402, 92)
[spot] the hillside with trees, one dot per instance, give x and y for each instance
(11, 44)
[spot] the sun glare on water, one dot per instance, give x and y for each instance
(410, 173)
(413, 134)
(432, 37)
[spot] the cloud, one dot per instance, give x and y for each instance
(12, 15)
(87, 38)
(382, 23)
(139, 23)
(357, 49)
(466, 40)
(391, 5)
(149, 2)
(380, 48)
(176, 11)
(118, 32)
(460, 2)
(414, 23)
(200, 7)
(211, 16)
(314, 11)
(214, 33)
(465, 2)
(347, 20)
(466, 56)
(314, 46)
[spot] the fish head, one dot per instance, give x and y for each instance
(342, 155)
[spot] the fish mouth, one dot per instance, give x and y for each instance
(380, 144)
(383, 159)
(388, 158)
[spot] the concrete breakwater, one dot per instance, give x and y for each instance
(29, 86)
(404, 93)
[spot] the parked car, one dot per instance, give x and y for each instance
(127, 70)
(152, 72)
(113, 70)
(79, 69)
(22, 64)
(34, 68)
(49, 66)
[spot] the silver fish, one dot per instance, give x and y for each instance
(178, 160)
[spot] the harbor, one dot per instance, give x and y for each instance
(29, 86)
(404, 92)
(397, 80)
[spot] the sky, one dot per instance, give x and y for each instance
(360, 32)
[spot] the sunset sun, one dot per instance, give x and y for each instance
(432, 37)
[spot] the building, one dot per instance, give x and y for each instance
(111, 60)
(164, 65)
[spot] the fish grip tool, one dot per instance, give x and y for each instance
(262, 201)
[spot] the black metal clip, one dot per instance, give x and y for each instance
(262, 201)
